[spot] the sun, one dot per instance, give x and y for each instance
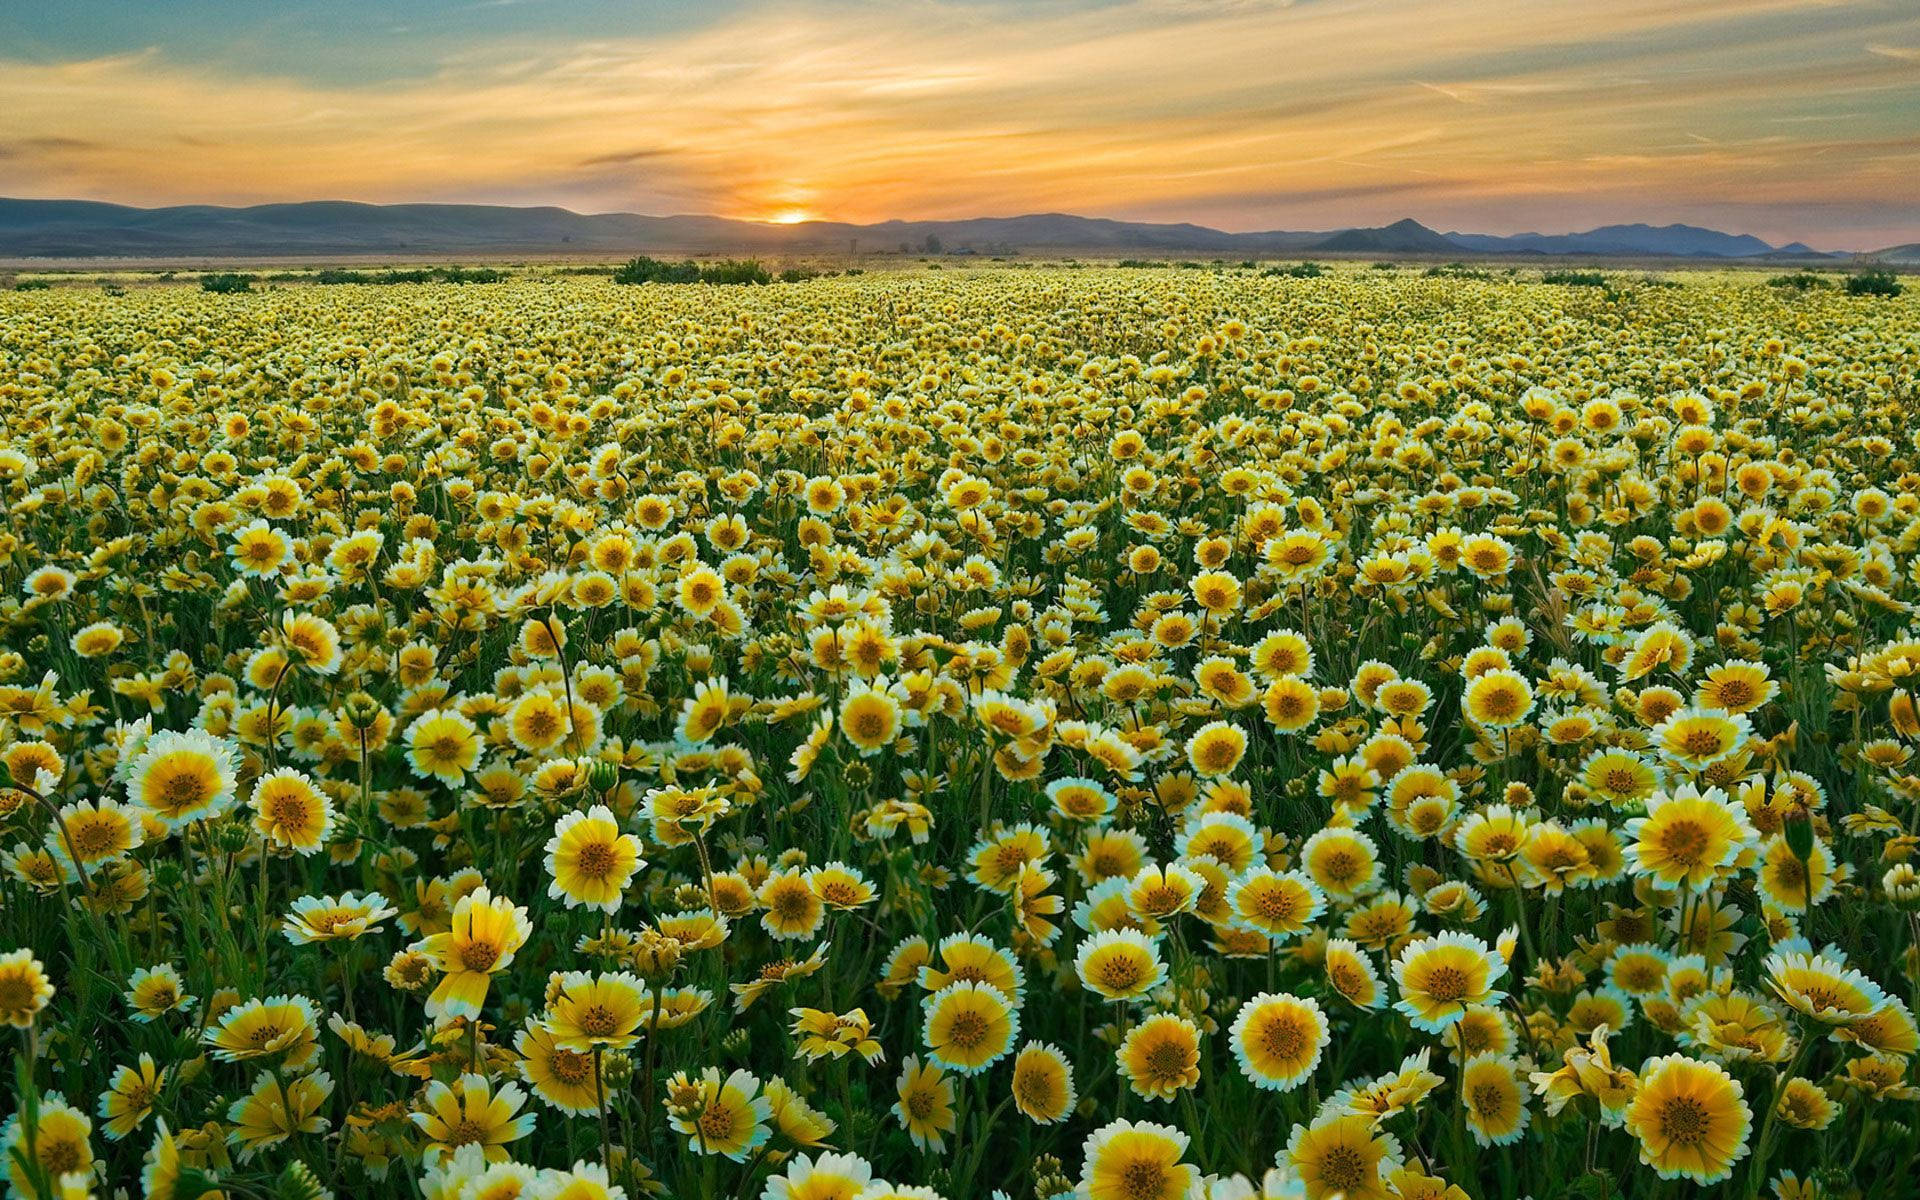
(790, 216)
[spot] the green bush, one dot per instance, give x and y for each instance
(1799, 281)
(32, 285)
(732, 270)
(653, 270)
(1304, 270)
(1875, 281)
(226, 283)
(1575, 278)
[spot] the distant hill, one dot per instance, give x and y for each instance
(87, 229)
(1681, 241)
(1401, 237)
(1908, 253)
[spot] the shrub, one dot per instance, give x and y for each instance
(1874, 281)
(653, 270)
(226, 283)
(1575, 278)
(1799, 281)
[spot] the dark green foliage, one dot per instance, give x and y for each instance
(226, 283)
(1874, 281)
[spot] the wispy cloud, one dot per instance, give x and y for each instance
(1251, 115)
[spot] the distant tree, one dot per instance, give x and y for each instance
(1874, 281)
(736, 270)
(1799, 281)
(653, 270)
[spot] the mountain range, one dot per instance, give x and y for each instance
(90, 229)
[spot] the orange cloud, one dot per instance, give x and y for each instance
(1247, 115)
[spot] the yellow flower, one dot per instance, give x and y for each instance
(1689, 838)
(727, 1117)
(24, 988)
(925, 1103)
(1277, 1039)
(969, 1026)
(793, 909)
(1135, 1160)
(1823, 988)
(130, 1095)
(443, 744)
(56, 1145)
(327, 918)
(1120, 964)
(589, 1012)
(471, 1111)
(833, 1035)
(1495, 1101)
(183, 777)
(1043, 1083)
(1343, 1156)
(1498, 699)
(485, 932)
(282, 1025)
(275, 1111)
(591, 860)
(1690, 1118)
(155, 991)
(291, 811)
(1442, 976)
(1161, 1056)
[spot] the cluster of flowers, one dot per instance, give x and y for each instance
(1139, 735)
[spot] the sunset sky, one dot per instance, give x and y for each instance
(1783, 118)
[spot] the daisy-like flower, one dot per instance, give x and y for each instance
(1694, 739)
(1689, 838)
(720, 1116)
(1161, 1056)
(484, 934)
(1277, 1039)
(561, 1077)
(828, 1177)
(1442, 976)
(925, 1103)
(287, 1026)
(1043, 1083)
(969, 1026)
(154, 991)
(291, 811)
(593, 1012)
(1823, 987)
(1136, 1160)
(24, 988)
(1691, 1119)
(443, 744)
(330, 918)
(182, 777)
(1495, 1100)
(276, 1110)
(1279, 904)
(56, 1145)
(1345, 1156)
(591, 860)
(472, 1111)
(130, 1095)
(1120, 964)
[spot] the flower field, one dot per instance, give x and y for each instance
(1142, 734)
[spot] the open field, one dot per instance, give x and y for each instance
(1159, 733)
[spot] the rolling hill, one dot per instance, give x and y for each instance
(90, 229)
